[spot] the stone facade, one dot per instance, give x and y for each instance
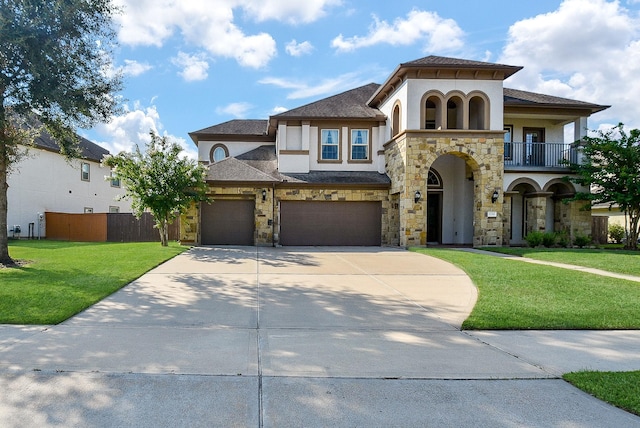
(267, 212)
(408, 159)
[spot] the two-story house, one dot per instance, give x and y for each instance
(441, 152)
(45, 181)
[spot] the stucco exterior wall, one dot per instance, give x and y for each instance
(45, 181)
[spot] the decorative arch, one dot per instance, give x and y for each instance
(526, 181)
(455, 111)
(396, 118)
(431, 109)
(218, 152)
(478, 110)
(559, 186)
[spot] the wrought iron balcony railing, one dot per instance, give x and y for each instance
(540, 155)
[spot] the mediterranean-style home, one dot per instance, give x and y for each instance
(45, 181)
(440, 153)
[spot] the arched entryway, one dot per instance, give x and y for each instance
(525, 213)
(450, 199)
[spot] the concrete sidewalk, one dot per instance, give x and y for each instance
(300, 337)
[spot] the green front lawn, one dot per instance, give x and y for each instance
(619, 261)
(513, 295)
(621, 389)
(64, 278)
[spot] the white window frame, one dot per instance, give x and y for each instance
(324, 137)
(366, 144)
(87, 173)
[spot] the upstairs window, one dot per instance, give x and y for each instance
(359, 144)
(218, 153)
(330, 144)
(85, 171)
(115, 181)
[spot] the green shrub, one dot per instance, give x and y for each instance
(534, 239)
(549, 239)
(563, 239)
(581, 241)
(616, 233)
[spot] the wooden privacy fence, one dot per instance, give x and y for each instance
(111, 227)
(600, 229)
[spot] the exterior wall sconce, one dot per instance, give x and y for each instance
(264, 195)
(495, 196)
(417, 196)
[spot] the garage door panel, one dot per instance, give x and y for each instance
(330, 223)
(228, 222)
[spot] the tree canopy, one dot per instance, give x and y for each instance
(611, 170)
(55, 70)
(159, 180)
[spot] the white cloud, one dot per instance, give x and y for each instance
(294, 48)
(587, 50)
(134, 68)
(290, 11)
(152, 22)
(194, 67)
(278, 110)
(132, 128)
(238, 110)
(436, 33)
(329, 86)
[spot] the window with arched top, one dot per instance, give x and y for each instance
(478, 112)
(434, 181)
(455, 113)
(395, 123)
(432, 113)
(218, 153)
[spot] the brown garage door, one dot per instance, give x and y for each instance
(330, 223)
(228, 222)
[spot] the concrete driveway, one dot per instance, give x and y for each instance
(244, 336)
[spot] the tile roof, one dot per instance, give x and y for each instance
(446, 62)
(350, 104)
(88, 149)
(517, 97)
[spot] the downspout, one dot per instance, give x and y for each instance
(273, 214)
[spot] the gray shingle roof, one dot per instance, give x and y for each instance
(339, 177)
(236, 127)
(88, 149)
(232, 169)
(446, 62)
(517, 97)
(350, 104)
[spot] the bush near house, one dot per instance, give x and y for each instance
(616, 233)
(534, 239)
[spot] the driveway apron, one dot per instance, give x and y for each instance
(245, 336)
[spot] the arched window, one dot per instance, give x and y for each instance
(395, 124)
(434, 181)
(432, 111)
(218, 153)
(477, 113)
(455, 113)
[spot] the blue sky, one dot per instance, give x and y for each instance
(191, 64)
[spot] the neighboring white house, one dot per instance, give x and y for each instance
(45, 181)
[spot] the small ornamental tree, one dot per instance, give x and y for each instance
(611, 169)
(160, 181)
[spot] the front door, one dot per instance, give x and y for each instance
(434, 217)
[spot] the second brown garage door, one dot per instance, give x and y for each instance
(227, 222)
(330, 223)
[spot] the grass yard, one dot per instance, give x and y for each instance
(619, 261)
(621, 389)
(64, 278)
(513, 295)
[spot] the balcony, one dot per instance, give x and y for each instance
(540, 156)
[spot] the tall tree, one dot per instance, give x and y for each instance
(159, 180)
(611, 170)
(56, 66)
